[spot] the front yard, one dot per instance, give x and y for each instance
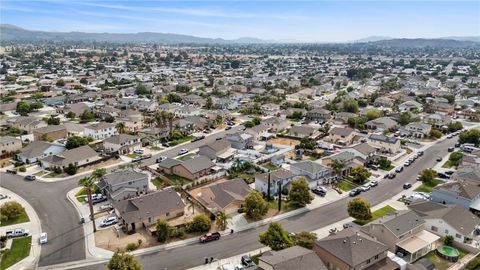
(427, 188)
(20, 219)
(346, 185)
(181, 140)
(448, 164)
(186, 156)
(20, 249)
(376, 215)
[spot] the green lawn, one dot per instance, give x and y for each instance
(427, 188)
(53, 175)
(158, 182)
(21, 219)
(177, 180)
(346, 185)
(376, 214)
(40, 173)
(155, 148)
(20, 249)
(273, 204)
(389, 168)
(249, 178)
(133, 155)
(448, 164)
(270, 166)
(181, 140)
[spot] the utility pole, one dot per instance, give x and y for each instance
(268, 187)
(280, 195)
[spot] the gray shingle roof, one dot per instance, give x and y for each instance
(400, 222)
(310, 166)
(35, 149)
(295, 257)
(222, 194)
(383, 138)
(72, 156)
(197, 164)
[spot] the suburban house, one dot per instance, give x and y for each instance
(270, 109)
(302, 131)
(227, 196)
(315, 173)
(191, 169)
(403, 233)
(124, 184)
(382, 124)
(449, 219)
(471, 161)
(352, 249)
(50, 133)
(467, 174)
(122, 143)
(418, 129)
(275, 124)
(465, 194)
(240, 141)
(438, 120)
(347, 158)
(37, 150)
(342, 136)
(442, 107)
(280, 177)
(80, 156)
(145, 210)
(365, 152)
(259, 132)
(218, 150)
(384, 143)
(409, 106)
(319, 115)
(385, 102)
(9, 144)
(295, 257)
(27, 123)
(100, 131)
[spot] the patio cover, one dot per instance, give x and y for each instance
(418, 241)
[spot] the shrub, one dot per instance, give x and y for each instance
(448, 241)
(200, 223)
(11, 210)
(22, 169)
(131, 247)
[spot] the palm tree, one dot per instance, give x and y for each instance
(170, 117)
(337, 166)
(98, 173)
(222, 220)
(89, 185)
(120, 127)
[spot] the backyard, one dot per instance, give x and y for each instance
(20, 249)
(177, 180)
(440, 263)
(376, 215)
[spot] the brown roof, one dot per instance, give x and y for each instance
(340, 131)
(71, 156)
(150, 205)
(295, 257)
(222, 194)
(279, 174)
(351, 246)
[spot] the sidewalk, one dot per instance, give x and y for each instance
(34, 225)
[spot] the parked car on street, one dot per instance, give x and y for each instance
(354, 192)
(373, 183)
(247, 261)
(108, 221)
(183, 151)
(228, 128)
(392, 175)
(18, 232)
(43, 238)
(420, 153)
(161, 158)
(30, 177)
(439, 159)
(209, 237)
(450, 149)
(198, 138)
(407, 186)
(365, 187)
(399, 169)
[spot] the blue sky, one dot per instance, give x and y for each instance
(319, 21)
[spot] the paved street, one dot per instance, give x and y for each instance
(243, 242)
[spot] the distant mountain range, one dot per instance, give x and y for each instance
(9, 33)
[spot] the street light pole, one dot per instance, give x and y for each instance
(280, 195)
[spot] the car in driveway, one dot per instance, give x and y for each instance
(108, 221)
(183, 151)
(321, 191)
(43, 239)
(18, 232)
(407, 186)
(30, 177)
(247, 261)
(138, 151)
(354, 192)
(160, 159)
(365, 187)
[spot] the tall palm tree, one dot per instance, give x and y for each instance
(222, 220)
(89, 185)
(120, 127)
(170, 117)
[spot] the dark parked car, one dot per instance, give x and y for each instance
(198, 138)
(319, 191)
(420, 153)
(228, 127)
(348, 225)
(392, 175)
(449, 173)
(247, 261)
(457, 145)
(11, 171)
(439, 159)
(210, 237)
(407, 186)
(442, 175)
(399, 169)
(354, 192)
(450, 149)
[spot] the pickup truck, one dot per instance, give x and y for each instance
(17, 233)
(209, 237)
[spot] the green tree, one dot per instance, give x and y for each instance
(256, 120)
(307, 143)
(337, 166)
(71, 169)
(455, 158)
(99, 173)
(87, 116)
(123, 261)
(384, 163)
(350, 105)
(248, 124)
(71, 115)
(297, 115)
(164, 230)
(359, 208)
(300, 194)
(60, 83)
(11, 210)
(360, 174)
(454, 126)
(448, 241)
(182, 88)
(209, 103)
(405, 118)
(222, 220)
(174, 98)
(23, 108)
(435, 133)
(75, 141)
(200, 223)
(120, 126)
(427, 176)
(470, 136)
(89, 186)
(373, 114)
(276, 237)
(141, 90)
(255, 206)
(305, 239)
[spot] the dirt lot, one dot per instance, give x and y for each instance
(99, 165)
(108, 239)
(284, 141)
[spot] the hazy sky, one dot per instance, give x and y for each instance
(298, 20)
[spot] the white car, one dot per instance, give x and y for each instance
(365, 187)
(138, 151)
(183, 151)
(108, 221)
(161, 158)
(43, 238)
